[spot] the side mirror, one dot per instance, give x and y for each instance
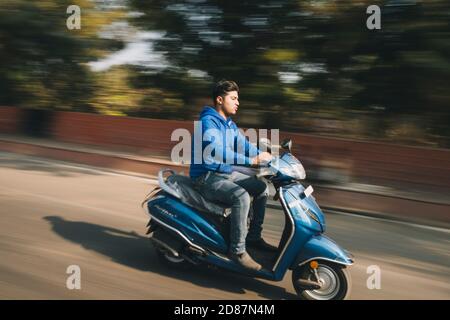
(287, 144)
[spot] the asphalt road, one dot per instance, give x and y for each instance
(53, 215)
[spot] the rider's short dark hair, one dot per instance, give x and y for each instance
(222, 87)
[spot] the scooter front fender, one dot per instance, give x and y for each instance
(321, 247)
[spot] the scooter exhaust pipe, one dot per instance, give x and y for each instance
(176, 253)
(165, 246)
(173, 244)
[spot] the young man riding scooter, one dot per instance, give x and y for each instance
(215, 179)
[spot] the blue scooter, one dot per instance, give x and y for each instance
(187, 229)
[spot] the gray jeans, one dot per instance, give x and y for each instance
(235, 190)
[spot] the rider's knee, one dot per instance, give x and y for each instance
(242, 198)
(265, 191)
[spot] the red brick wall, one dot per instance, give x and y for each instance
(375, 162)
(10, 118)
(126, 133)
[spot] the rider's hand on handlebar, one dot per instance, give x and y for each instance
(263, 157)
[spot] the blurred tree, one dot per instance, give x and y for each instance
(43, 64)
(402, 71)
(309, 66)
(113, 96)
(206, 40)
(300, 60)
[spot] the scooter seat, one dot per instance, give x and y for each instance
(184, 189)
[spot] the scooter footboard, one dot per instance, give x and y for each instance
(322, 248)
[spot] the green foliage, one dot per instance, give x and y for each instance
(299, 60)
(43, 64)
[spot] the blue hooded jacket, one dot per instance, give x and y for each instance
(225, 145)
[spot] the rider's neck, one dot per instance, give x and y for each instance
(221, 112)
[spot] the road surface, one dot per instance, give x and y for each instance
(54, 215)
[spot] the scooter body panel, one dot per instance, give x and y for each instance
(305, 241)
(302, 227)
(188, 221)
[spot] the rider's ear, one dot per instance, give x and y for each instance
(219, 100)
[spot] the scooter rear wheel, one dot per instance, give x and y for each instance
(334, 278)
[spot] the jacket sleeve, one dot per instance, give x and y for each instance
(238, 157)
(215, 139)
(250, 149)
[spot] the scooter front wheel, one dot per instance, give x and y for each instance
(334, 280)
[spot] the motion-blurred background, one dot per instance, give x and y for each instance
(303, 66)
(368, 110)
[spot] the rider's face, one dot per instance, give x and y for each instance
(229, 103)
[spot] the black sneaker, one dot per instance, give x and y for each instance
(246, 261)
(260, 244)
